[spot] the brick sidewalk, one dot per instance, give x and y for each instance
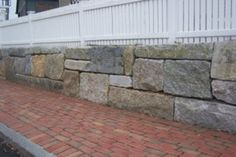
(69, 127)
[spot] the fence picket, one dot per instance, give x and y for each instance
(233, 10)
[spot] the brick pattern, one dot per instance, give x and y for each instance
(69, 127)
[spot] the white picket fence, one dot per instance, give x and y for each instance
(124, 22)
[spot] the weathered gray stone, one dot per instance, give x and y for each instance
(94, 87)
(19, 65)
(224, 61)
(2, 68)
(120, 81)
(71, 83)
(28, 65)
(54, 66)
(80, 53)
(225, 91)
(17, 52)
(185, 51)
(187, 78)
(145, 102)
(128, 59)
(4, 52)
(10, 68)
(77, 65)
(148, 74)
(40, 82)
(206, 113)
(45, 50)
(107, 60)
(38, 62)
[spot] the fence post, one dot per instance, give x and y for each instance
(172, 20)
(81, 23)
(30, 28)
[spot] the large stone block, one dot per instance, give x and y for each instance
(187, 78)
(40, 82)
(206, 113)
(19, 65)
(80, 65)
(17, 52)
(94, 87)
(145, 102)
(4, 52)
(54, 66)
(71, 83)
(121, 81)
(38, 62)
(78, 54)
(225, 91)
(107, 60)
(2, 68)
(182, 51)
(148, 74)
(10, 68)
(45, 50)
(224, 61)
(28, 65)
(128, 59)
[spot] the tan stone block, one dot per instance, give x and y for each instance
(38, 62)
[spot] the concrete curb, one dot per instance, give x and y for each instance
(23, 142)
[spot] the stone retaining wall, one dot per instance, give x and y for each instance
(189, 83)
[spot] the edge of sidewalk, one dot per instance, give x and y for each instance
(23, 142)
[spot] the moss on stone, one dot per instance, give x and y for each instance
(128, 60)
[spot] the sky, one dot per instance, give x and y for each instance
(12, 14)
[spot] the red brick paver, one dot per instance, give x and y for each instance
(69, 127)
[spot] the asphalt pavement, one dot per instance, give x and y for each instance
(7, 150)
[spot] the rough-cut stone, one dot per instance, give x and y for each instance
(17, 52)
(28, 65)
(185, 51)
(187, 78)
(94, 87)
(148, 74)
(145, 102)
(45, 50)
(38, 62)
(128, 59)
(224, 61)
(107, 60)
(54, 66)
(80, 53)
(10, 70)
(71, 83)
(77, 65)
(2, 68)
(206, 113)
(4, 52)
(225, 91)
(41, 82)
(19, 65)
(120, 81)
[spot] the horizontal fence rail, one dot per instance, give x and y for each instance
(124, 22)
